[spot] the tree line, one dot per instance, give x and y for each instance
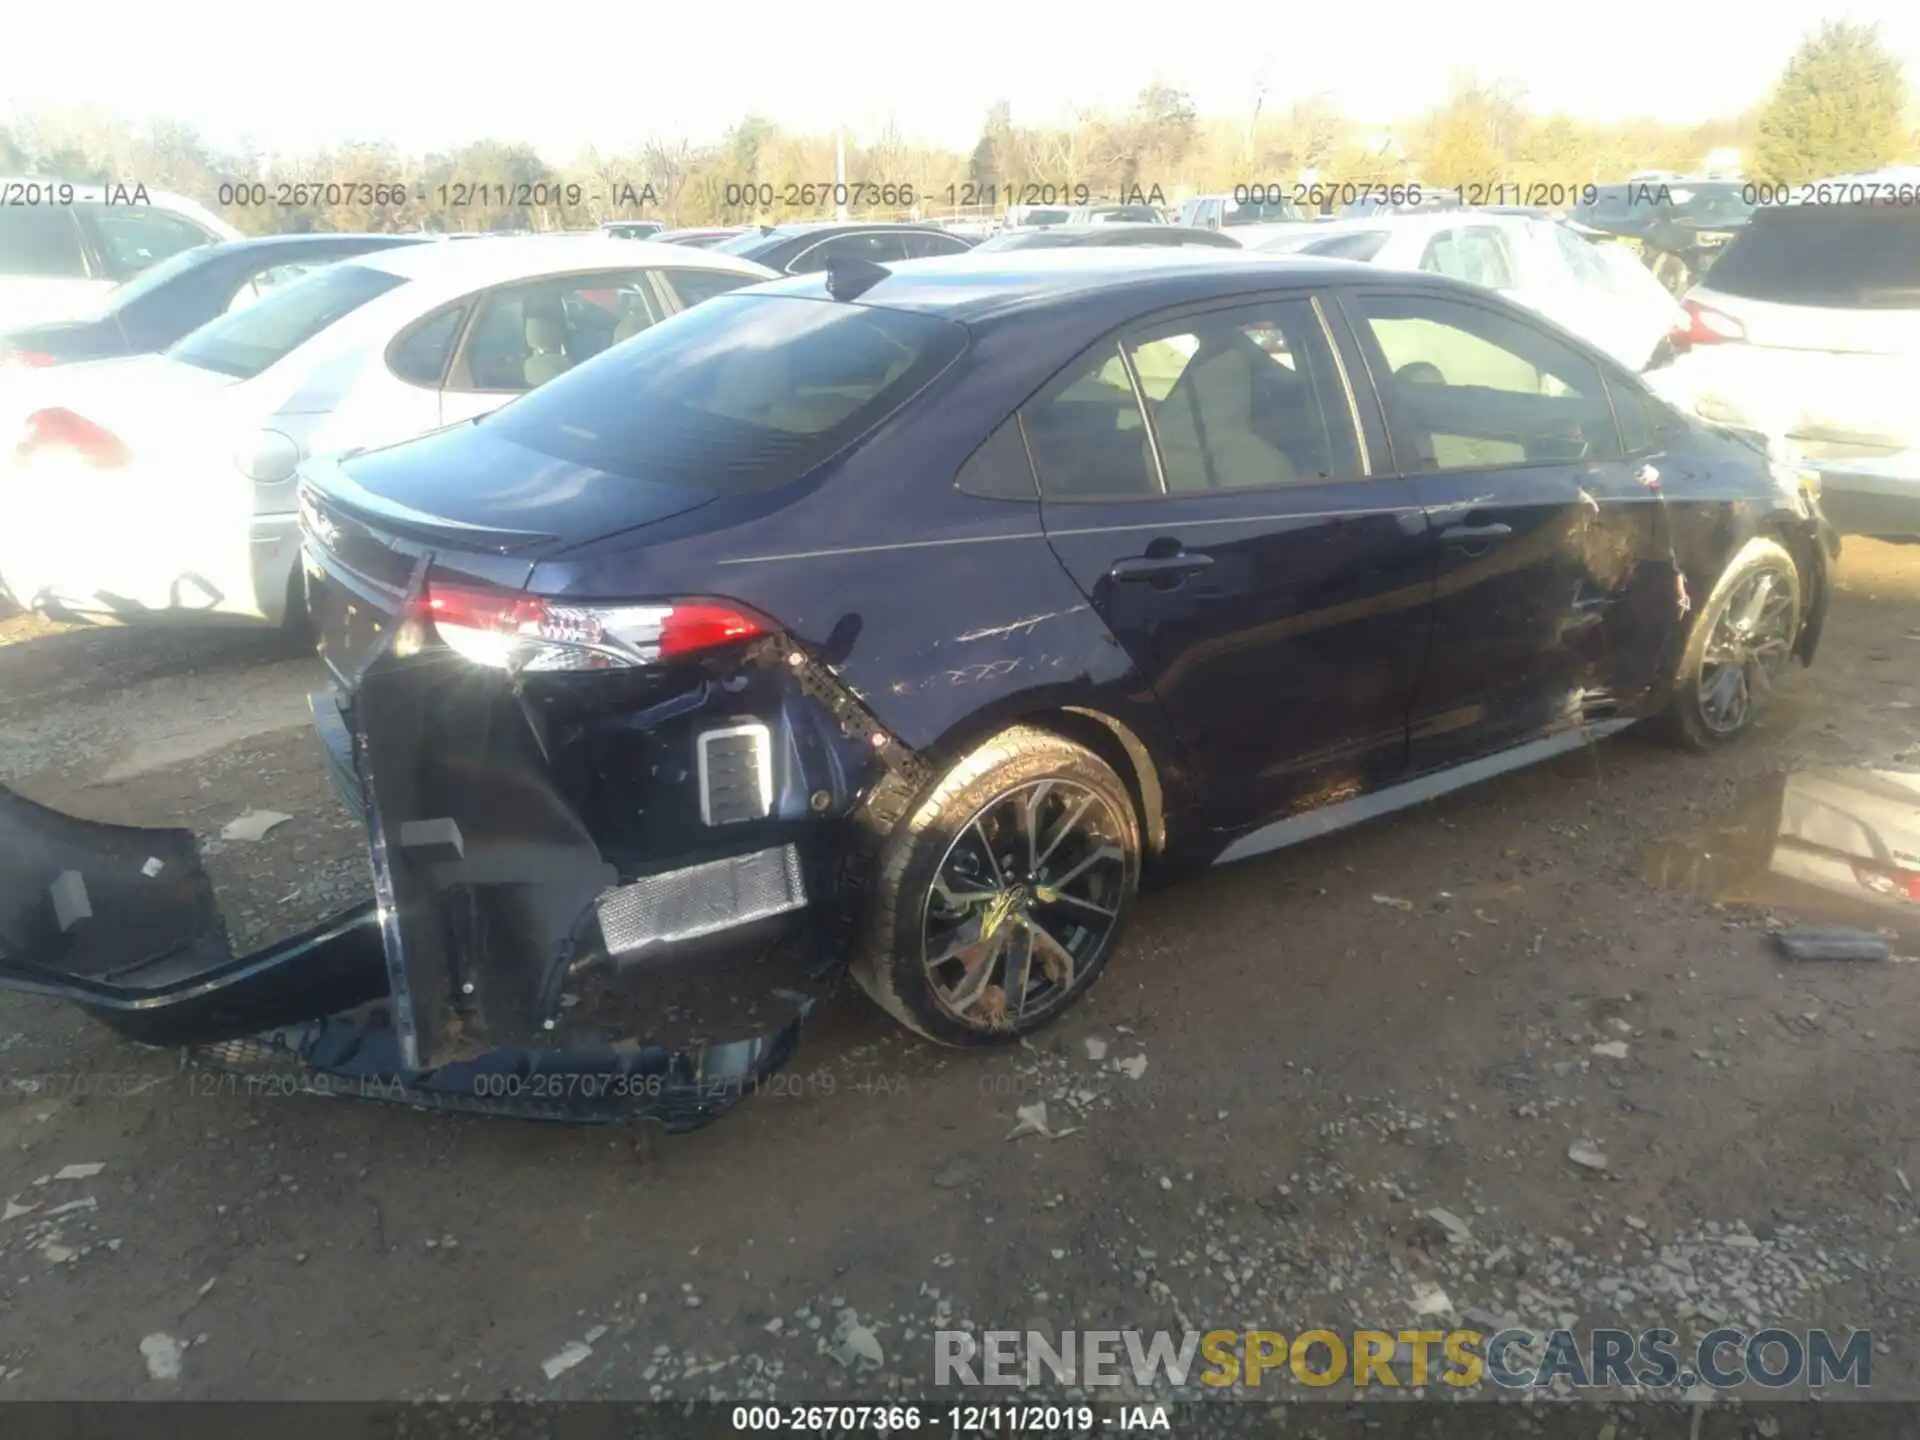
(1841, 104)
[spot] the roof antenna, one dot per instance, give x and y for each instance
(849, 278)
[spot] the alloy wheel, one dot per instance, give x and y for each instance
(1024, 900)
(1749, 644)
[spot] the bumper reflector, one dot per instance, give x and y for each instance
(701, 900)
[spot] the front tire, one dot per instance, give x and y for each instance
(1740, 645)
(1001, 897)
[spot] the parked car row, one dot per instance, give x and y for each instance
(1594, 291)
(63, 247)
(897, 617)
(183, 461)
(1678, 226)
(404, 335)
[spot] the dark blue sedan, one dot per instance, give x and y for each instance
(905, 619)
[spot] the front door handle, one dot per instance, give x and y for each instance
(1158, 567)
(1477, 535)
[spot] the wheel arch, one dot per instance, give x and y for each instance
(1138, 756)
(1810, 559)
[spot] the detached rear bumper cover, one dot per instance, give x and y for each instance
(595, 896)
(122, 921)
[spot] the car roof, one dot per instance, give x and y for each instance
(1091, 230)
(313, 240)
(496, 259)
(1254, 236)
(974, 288)
(794, 228)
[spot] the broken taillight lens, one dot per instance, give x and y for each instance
(63, 434)
(506, 631)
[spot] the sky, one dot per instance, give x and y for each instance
(565, 74)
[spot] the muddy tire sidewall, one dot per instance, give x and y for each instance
(1685, 718)
(889, 961)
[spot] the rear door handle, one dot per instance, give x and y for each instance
(1475, 534)
(1158, 567)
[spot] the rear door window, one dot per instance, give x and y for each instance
(1862, 257)
(690, 287)
(41, 241)
(1087, 432)
(1252, 404)
(745, 392)
(533, 332)
(244, 343)
(1241, 399)
(420, 356)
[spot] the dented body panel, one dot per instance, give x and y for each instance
(604, 846)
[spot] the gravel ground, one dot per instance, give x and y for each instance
(1464, 1066)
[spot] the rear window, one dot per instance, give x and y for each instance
(1025, 240)
(748, 241)
(1346, 247)
(1264, 212)
(245, 342)
(1853, 257)
(1617, 202)
(1045, 217)
(1706, 204)
(153, 278)
(742, 393)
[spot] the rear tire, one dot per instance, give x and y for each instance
(296, 636)
(1741, 643)
(1001, 897)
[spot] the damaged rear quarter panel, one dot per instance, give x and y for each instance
(946, 615)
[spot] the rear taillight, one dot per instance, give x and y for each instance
(61, 434)
(1700, 324)
(24, 360)
(506, 631)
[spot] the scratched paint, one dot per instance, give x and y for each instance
(1018, 627)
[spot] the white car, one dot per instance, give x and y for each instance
(64, 246)
(163, 486)
(1807, 328)
(1611, 301)
(1110, 214)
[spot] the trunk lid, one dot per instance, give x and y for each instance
(463, 486)
(482, 508)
